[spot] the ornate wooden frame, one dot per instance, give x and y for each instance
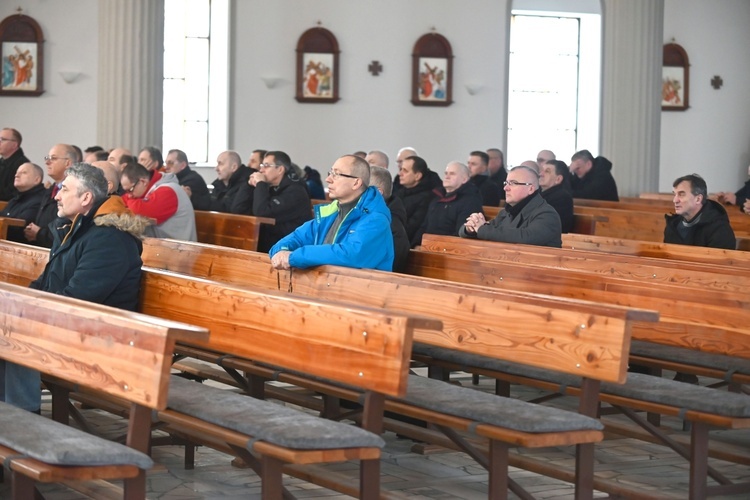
(432, 71)
(21, 39)
(317, 66)
(675, 83)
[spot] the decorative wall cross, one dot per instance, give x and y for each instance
(375, 68)
(717, 82)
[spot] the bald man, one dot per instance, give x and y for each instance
(526, 218)
(111, 174)
(25, 204)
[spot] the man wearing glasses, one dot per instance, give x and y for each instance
(12, 158)
(526, 218)
(353, 231)
(39, 232)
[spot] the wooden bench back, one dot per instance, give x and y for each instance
(701, 276)
(582, 338)
(124, 354)
(230, 230)
(364, 347)
(640, 248)
(6, 222)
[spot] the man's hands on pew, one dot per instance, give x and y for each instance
(281, 260)
(474, 222)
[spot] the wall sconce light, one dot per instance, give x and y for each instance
(272, 82)
(70, 76)
(473, 88)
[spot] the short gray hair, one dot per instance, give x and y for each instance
(381, 179)
(90, 179)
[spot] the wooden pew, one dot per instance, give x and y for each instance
(610, 245)
(230, 230)
(582, 223)
(6, 222)
(109, 351)
(598, 355)
(641, 269)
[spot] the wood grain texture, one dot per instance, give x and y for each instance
(118, 352)
(231, 230)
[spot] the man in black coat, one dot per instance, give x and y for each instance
(190, 180)
(25, 204)
(416, 192)
(697, 220)
(381, 179)
(478, 164)
(592, 177)
(555, 185)
(231, 176)
(456, 201)
(12, 158)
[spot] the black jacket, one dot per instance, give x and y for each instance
(416, 201)
(710, 228)
(448, 213)
(742, 195)
(8, 167)
(223, 194)
(23, 206)
(499, 178)
(46, 218)
(288, 203)
(401, 244)
(561, 200)
(489, 190)
(199, 197)
(597, 184)
(97, 258)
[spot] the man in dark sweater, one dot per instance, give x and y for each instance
(12, 158)
(190, 180)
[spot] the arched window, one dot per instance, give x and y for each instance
(554, 80)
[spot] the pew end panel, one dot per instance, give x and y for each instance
(6, 222)
(231, 230)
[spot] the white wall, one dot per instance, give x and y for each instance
(65, 113)
(374, 112)
(712, 137)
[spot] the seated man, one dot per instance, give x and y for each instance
(416, 192)
(697, 220)
(11, 157)
(96, 257)
(280, 196)
(159, 197)
(592, 177)
(110, 174)
(555, 185)
(353, 231)
(459, 198)
(25, 205)
(381, 179)
(479, 167)
(496, 167)
(526, 218)
(231, 176)
(739, 198)
(191, 181)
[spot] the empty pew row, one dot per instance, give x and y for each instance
(75, 342)
(639, 248)
(269, 436)
(503, 422)
(638, 394)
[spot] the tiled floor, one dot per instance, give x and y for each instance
(652, 469)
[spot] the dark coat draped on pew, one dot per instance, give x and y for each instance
(709, 228)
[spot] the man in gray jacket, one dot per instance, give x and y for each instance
(526, 218)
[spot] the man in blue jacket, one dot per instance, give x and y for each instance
(353, 231)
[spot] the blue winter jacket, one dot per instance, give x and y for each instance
(363, 239)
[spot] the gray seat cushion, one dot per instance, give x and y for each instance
(638, 386)
(57, 444)
(490, 409)
(263, 420)
(690, 356)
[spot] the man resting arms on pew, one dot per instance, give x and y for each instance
(697, 221)
(526, 218)
(353, 231)
(96, 257)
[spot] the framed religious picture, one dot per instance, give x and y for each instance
(317, 67)
(675, 78)
(432, 71)
(22, 54)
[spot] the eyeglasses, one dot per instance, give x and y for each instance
(268, 165)
(516, 183)
(3, 139)
(132, 188)
(336, 175)
(54, 158)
